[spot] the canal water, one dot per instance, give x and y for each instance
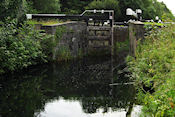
(90, 87)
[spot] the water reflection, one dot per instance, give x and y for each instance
(63, 108)
(74, 89)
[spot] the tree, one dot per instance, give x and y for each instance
(106, 5)
(150, 8)
(74, 6)
(9, 8)
(46, 6)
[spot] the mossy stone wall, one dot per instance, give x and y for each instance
(72, 42)
(136, 32)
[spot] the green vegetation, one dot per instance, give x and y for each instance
(22, 47)
(150, 26)
(121, 46)
(73, 6)
(46, 6)
(63, 53)
(151, 8)
(44, 22)
(154, 67)
(154, 23)
(59, 32)
(106, 4)
(10, 9)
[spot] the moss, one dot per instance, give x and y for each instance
(154, 23)
(44, 22)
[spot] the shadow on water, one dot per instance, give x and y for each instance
(84, 81)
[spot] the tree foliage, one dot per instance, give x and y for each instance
(17, 8)
(74, 6)
(107, 5)
(21, 47)
(9, 8)
(150, 8)
(46, 6)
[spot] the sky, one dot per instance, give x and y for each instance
(170, 4)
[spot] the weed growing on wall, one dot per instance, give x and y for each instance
(154, 68)
(80, 53)
(122, 46)
(60, 30)
(47, 44)
(63, 52)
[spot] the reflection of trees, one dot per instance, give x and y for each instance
(114, 101)
(73, 81)
(19, 99)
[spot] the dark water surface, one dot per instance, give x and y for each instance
(74, 89)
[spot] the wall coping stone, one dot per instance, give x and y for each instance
(137, 22)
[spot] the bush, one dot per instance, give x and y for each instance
(21, 47)
(154, 67)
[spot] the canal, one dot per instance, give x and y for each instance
(90, 87)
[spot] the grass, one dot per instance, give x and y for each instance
(154, 68)
(154, 23)
(44, 22)
(64, 54)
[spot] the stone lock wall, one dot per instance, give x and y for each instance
(121, 33)
(74, 39)
(72, 43)
(136, 32)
